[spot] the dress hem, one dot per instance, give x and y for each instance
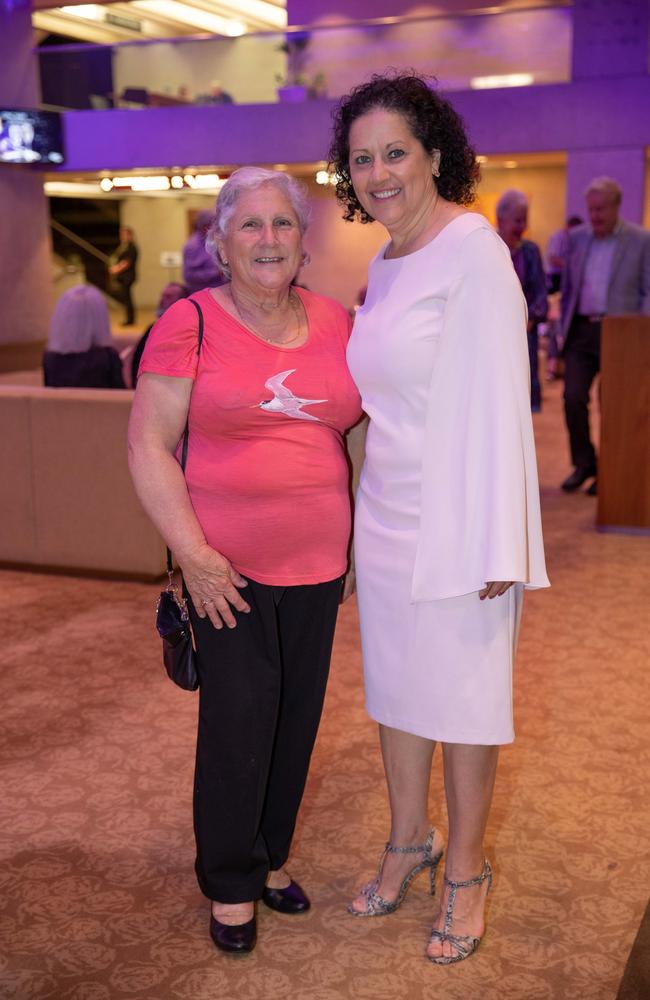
(417, 729)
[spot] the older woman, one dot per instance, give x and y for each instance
(512, 223)
(80, 351)
(260, 527)
(447, 525)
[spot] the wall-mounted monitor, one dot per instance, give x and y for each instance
(31, 136)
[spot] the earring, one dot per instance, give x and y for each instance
(306, 259)
(436, 172)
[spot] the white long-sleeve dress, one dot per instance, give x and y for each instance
(448, 497)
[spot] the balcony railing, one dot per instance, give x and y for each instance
(506, 48)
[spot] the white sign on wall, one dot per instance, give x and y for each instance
(171, 258)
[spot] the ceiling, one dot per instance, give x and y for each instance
(141, 19)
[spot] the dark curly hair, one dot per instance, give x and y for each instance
(433, 122)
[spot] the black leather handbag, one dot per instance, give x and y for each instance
(172, 619)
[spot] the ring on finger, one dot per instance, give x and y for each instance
(206, 601)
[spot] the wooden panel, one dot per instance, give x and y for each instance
(624, 461)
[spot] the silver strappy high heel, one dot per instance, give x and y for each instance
(465, 944)
(377, 906)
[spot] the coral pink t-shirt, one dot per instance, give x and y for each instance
(266, 468)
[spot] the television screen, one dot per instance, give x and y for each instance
(30, 136)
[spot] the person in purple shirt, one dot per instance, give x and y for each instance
(512, 222)
(199, 268)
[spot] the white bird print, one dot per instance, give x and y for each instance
(284, 400)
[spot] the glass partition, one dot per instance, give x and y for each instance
(512, 48)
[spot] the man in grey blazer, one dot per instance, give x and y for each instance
(607, 273)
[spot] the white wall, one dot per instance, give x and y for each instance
(159, 224)
(246, 67)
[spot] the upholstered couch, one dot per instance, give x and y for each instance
(66, 498)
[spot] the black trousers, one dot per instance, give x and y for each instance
(262, 686)
(533, 357)
(582, 364)
(127, 302)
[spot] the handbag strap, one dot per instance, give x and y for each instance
(186, 432)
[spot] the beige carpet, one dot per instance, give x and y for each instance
(97, 894)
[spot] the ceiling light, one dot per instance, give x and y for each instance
(150, 184)
(183, 14)
(106, 184)
(177, 182)
(88, 11)
(70, 189)
(208, 181)
(481, 159)
(507, 80)
(153, 183)
(260, 10)
(510, 164)
(322, 177)
(235, 28)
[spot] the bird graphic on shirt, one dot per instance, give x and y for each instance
(284, 400)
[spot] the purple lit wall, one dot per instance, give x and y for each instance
(313, 11)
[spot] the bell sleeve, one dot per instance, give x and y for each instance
(480, 513)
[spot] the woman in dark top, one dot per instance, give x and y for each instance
(123, 272)
(80, 351)
(512, 222)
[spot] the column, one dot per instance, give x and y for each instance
(610, 40)
(25, 249)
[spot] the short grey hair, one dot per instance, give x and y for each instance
(249, 179)
(509, 201)
(606, 185)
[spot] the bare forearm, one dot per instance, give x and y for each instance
(162, 491)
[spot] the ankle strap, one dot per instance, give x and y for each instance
(426, 846)
(486, 873)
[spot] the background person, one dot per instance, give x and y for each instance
(199, 267)
(557, 249)
(172, 292)
(123, 270)
(447, 522)
(80, 352)
(264, 506)
(512, 222)
(607, 272)
(215, 95)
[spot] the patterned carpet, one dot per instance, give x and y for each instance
(97, 894)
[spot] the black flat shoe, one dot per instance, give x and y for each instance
(234, 938)
(576, 479)
(289, 900)
(593, 489)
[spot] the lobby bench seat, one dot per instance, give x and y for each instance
(65, 491)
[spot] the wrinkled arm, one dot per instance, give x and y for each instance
(156, 425)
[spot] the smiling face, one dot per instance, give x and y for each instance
(263, 244)
(391, 171)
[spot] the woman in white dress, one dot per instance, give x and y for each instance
(447, 529)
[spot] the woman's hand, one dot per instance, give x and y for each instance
(496, 588)
(212, 584)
